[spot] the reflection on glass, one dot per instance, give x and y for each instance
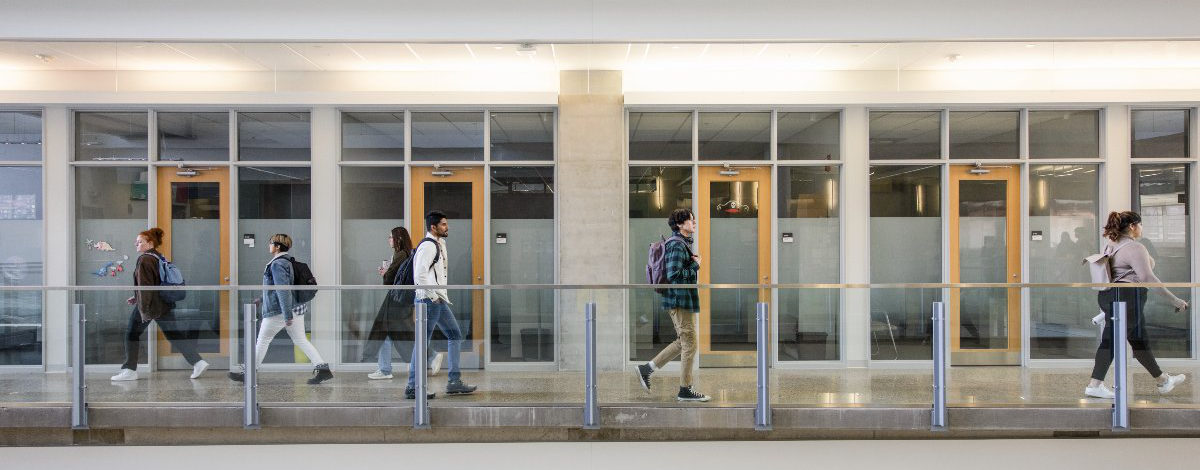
(1063, 206)
(274, 137)
(1064, 134)
(983, 257)
(111, 136)
(984, 134)
(1161, 133)
(660, 136)
(372, 204)
(194, 243)
(735, 136)
(733, 235)
(522, 238)
(653, 193)
(373, 136)
(193, 136)
(1161, 196)
(899, 135)
(906, 229)
(21, 243)
(522, 136)
(447, 136)
(21, 136)
(809, 136)
(809, 253)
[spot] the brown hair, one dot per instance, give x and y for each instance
(400, 240)
(1119, 223)
(154, 236)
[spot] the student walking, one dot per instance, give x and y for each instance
(1130, 263)
(680, 266)
(280, 312)
(149, 306)
(430, 269)
(393, 317)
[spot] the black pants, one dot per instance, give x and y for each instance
(394, 321)
(170, 328)
(1135, 322)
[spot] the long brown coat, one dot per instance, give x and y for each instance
(149, 304)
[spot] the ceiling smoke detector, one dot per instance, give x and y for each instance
(527, 49)
(47, 58)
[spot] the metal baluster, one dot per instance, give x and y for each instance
(938, 418)
(762, 411)
(250, 416)
(1120, 420)
(591, 409)
(421, 408)
(79, 408)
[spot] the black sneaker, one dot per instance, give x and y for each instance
(237, 376)
(320, 374)
(687, 394)
(457, 387)
(411, 394)
(642, 372)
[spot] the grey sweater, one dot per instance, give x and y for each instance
(1133, 263)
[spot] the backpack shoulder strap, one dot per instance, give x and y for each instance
(682, 241)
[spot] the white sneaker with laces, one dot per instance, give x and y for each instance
(199, 368)
(125, 374)
(378, 375)
(1170, 383)
(1099, 391)
(436, 366)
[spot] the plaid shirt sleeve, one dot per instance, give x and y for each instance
(680, 269)
(676, 262)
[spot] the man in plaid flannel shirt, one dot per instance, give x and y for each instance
(680, 266)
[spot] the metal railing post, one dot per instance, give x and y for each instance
(79, 408)
(938, 418)
(421, 335)
(250, 418)
(1120, 420)
(762, 411)
(591, 409)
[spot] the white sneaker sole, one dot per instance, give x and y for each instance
(693, 399)
(1182, 379)
(1098, 395)
(122, 379)
(379, 377)
(437, 363)
(196, 373)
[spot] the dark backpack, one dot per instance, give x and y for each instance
(405, 277)
(301, 276)
(656, 266)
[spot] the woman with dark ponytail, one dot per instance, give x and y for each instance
(1130, 263)
(390, 323)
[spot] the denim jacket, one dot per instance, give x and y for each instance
(278, 273)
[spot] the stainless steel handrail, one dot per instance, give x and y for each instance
(372, 287)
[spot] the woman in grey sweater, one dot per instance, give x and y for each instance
(1130, 263)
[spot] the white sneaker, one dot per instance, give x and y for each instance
(199, 368)
(436, 366)
(125, 374)
(1172, 381)
(1099, 391)
(378, 375)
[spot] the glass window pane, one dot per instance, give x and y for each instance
(110, 210)
(660, 136)
(522, 136)
(809, 136)
(447, 136)
(522, 242)
(1063, 208)
(21, 136)
(899, 135)
(373, 136)
(1161, 133)
(372, 205)
(809, 252)
(1064, 134)
(735, 136)
(21, 264)
(1161, 196)
(654, 192)
(111, 136)
(193, 136)
(274, 137)
(906, 231)
(984, 134)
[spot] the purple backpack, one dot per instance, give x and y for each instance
(656, 266)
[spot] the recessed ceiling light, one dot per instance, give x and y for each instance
(47, 58)
(498, 47)
(527, 49)
(1030, 46)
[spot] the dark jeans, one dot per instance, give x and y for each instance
(1135, 322)
(170, 329)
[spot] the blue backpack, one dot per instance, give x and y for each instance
(170, 275)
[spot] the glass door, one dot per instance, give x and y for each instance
(458, 192)
(985, 247)
(193, 211)
(734, 213)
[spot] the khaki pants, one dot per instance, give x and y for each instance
(684, 346)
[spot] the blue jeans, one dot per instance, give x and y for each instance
(385, 356)
(441, 316)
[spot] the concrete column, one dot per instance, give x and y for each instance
(58, 192)
(326, 180)
(591, 224)
(856, 229)
(1116, 193)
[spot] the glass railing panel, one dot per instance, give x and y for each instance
(22, 337)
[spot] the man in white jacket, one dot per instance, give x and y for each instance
(430, 268)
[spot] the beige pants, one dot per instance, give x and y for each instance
(684, 346)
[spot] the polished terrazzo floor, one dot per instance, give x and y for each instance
(969, 386)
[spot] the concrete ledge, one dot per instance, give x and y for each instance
(164, 416)
(851, 418)
(35, 417)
